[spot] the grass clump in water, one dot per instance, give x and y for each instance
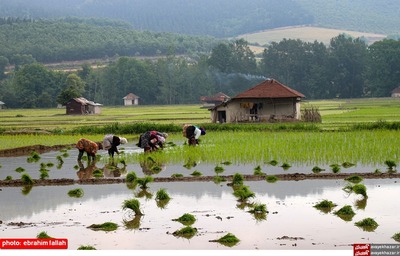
(273, 162)
(367, 224)
(131, 177)
(19, 169)
(132, 204)
(347, 165)
(229, 240)
(162, 194)
(237, 179)
(346, 213)
(219, 169)
(391, 165)
(258, 208)
(196, 174)
(218, 179)
(177, 175)
(86, 247)
(258, 171)
(78, 192)
(98, 173)
(335, 168)
(325, 206)
(317, 169)
(106, 226)
(243, 193)
(271, 179)
(144, 181)
(360, 189)
(396, 237)
(43, 235)
(34, 157)
(186, 219)
(354, 179)
(186, 232)
(26, 179)
(286, 166)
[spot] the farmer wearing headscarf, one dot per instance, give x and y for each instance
(193, 133)
(88, 146)
(152, 141)
(111, 142)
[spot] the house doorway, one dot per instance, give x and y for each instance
(221, 116)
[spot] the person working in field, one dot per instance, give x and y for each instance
(193, 133)
(88, 146)
(152, 141)
(111, 143)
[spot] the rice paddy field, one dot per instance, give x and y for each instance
(353, 169)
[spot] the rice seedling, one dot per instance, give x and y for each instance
(354, 179)
(243, 193)
(19, 169)
(106, 226)
(132, 204)
(317, 169)
(272, 179)
(258, 171)
(186, 219)
(396, 237)
(76, 167)
(186, 232)
(377, 171)
(122, 161)
(229, 240)
(219, 169)
(325, 206)
(360, 189)
(65, 155)
(218, 179)
(43, 235)
(9, 177)
(131, 177)
(98, 173)
(77, 193)
(144, 181)
(335, 168)
(346, 213)
(190, 164)
(226, 163)
(50, 164)
(273, 162)
(390, 164)
(347, 165)
(196, 173)
(237, 180)
(86, 247)
(177, 175)
(258, 208)
(367, 224)
(26, 179)
(34, 157)
(286, 166)
(44, 174)
(162, 194)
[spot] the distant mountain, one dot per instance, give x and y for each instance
(220, 18)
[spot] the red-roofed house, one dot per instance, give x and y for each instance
(266, 102)
(131, 99)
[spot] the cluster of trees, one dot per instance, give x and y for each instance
(347, 68)
(222, 18)
(79, 39)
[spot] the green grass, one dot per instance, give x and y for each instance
(78, 192)
(132, 204)
(367, 224)
(106, 226)
(43, 235)
(186, 232)
(229, 240)
(325, 206)
(396, 237)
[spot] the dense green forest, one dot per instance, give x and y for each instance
(79, 39)
(347, 68)
(220, 18)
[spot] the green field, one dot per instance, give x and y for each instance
(24, 127)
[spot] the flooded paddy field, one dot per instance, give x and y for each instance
(291, 222)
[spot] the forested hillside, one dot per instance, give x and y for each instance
(78, 39)
(220, 18)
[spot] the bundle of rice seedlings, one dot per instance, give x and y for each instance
(106, 226)
(367, 224)
(78, 192)
(229, 240)
(186, 219)
(132, 204)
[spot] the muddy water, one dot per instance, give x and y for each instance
(291, 224)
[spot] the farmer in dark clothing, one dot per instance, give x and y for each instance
(111, 142)
(193, 133)
(152, 141)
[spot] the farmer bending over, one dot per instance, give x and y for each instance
(111, 142)
(88, 146)
(193, 133)
(152, 141)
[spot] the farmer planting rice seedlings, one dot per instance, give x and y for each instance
(111, 143)
(88, 146)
